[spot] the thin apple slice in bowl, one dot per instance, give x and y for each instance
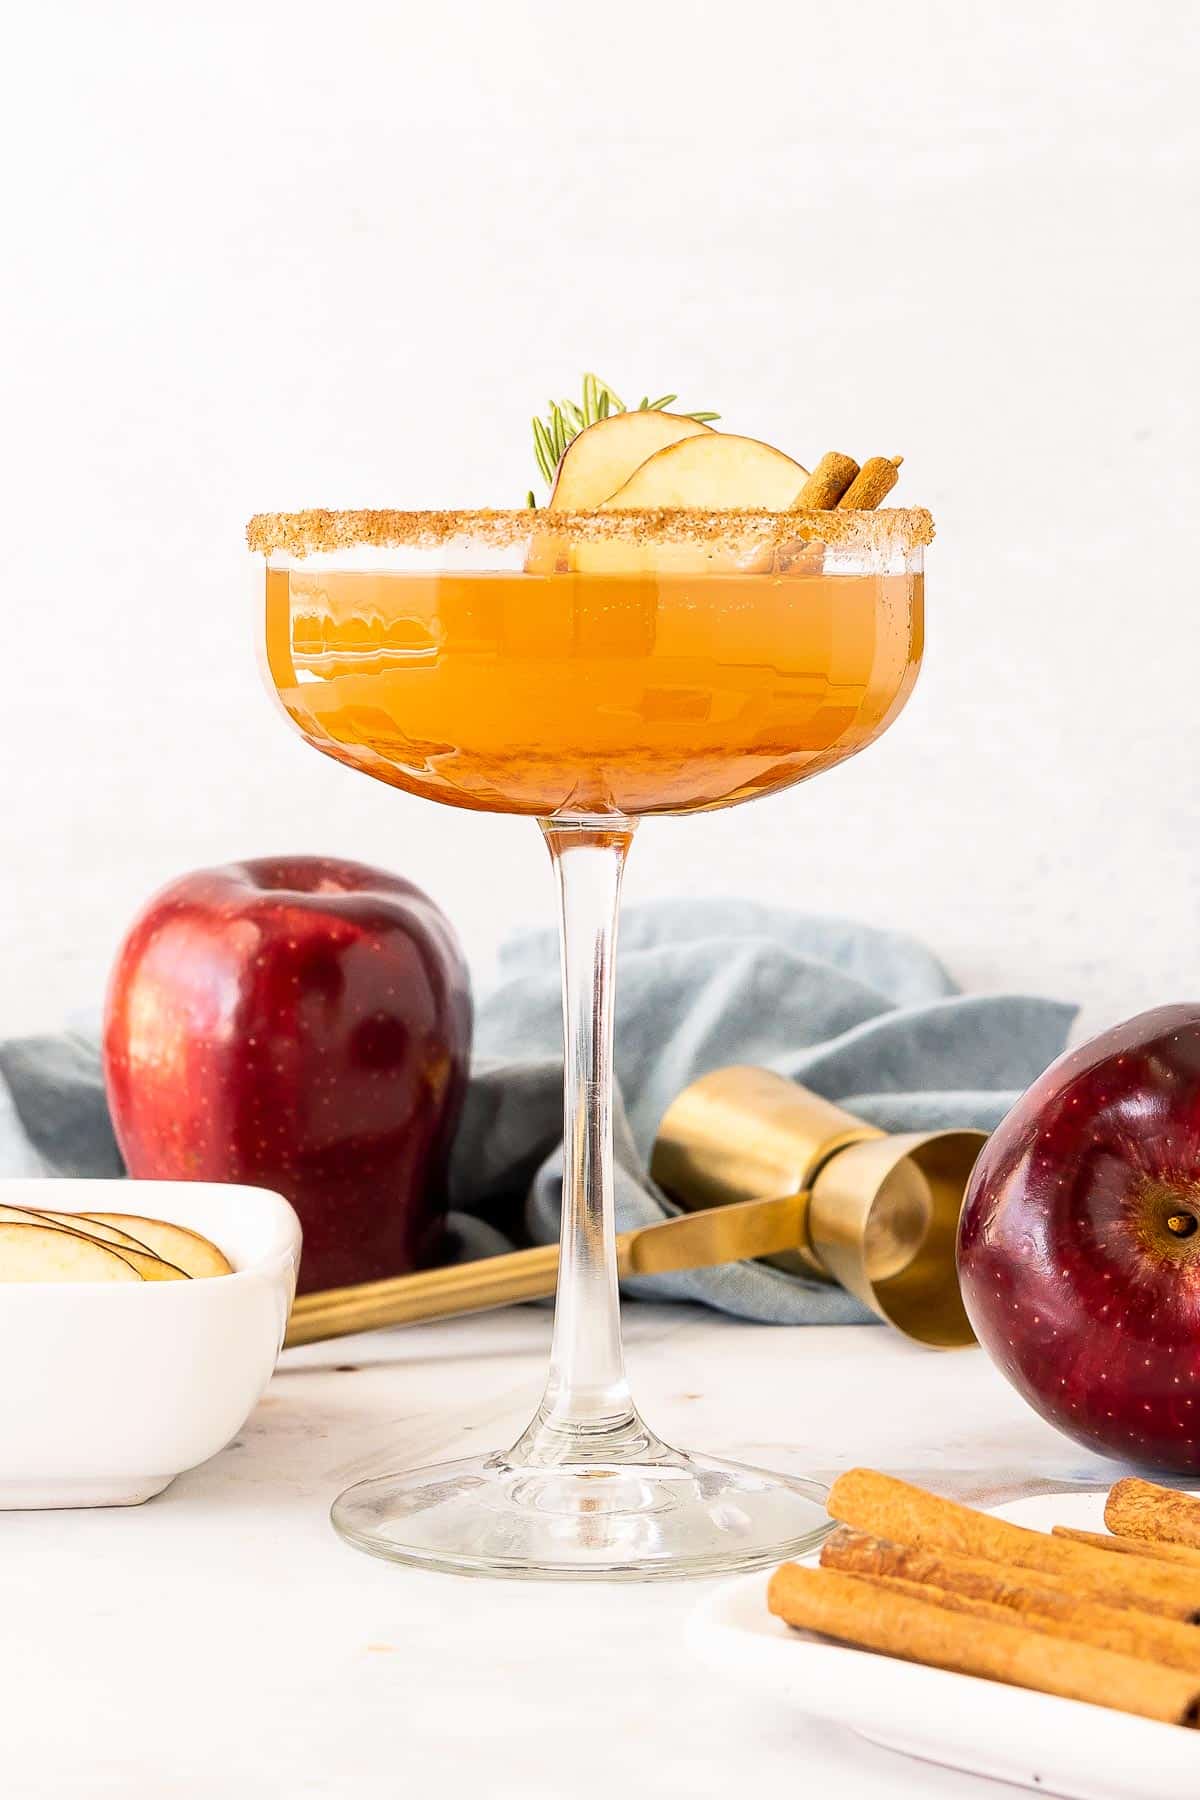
(77, 1222)
(30, 1252)
(188, 1250)
(41, 1215)
(718, 473)
(149, 1266)
(146, 1261)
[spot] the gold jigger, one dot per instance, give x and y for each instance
(878, 1213)
(765, 1169)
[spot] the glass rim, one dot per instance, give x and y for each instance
(889, 530)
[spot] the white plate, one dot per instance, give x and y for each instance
(1035, 1740)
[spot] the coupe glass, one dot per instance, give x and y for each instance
(589, 670)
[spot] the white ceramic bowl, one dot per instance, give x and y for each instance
(110, 1390)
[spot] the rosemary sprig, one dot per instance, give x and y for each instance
(565, 419)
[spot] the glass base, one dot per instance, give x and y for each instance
(662, 1516)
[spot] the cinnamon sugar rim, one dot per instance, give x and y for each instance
(310, 533)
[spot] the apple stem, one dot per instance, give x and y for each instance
(1182, 1224)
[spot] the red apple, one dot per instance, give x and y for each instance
(1079, 1246)
(302, 1024)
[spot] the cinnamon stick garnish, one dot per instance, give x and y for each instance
(877, 477)
(1004, 1594)
(1160, 1515)
(874, 1617)
(891, 1509)
(827, 483)
(1181, 1554)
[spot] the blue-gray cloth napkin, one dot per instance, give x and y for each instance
(865, 1017)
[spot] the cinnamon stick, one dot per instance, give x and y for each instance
(874, 1617)
(1125, 1635)
(877, 477)
(1181, 1554)
(891, 1509)
(1009, 1595)
(827, 483)
(1159, 1515)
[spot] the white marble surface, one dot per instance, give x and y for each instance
(275, 254)
(221, 1642)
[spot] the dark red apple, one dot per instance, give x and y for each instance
(302, 1024)
(1079, 1246)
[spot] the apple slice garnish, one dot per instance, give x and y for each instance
(48, 1253)
(188, 1250)
(604, 456)
(595, 464)
(716, 473)
(713, 474)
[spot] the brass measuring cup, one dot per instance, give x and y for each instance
(878, 1213)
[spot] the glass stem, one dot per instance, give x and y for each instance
(587, 1413)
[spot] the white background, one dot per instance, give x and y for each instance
(265, 256)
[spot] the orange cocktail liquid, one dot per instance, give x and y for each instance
(573, 695)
